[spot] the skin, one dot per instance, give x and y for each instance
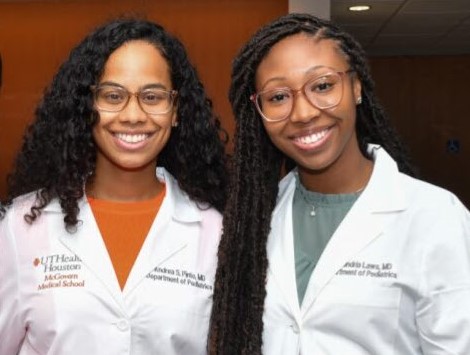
(125, 170)
(331, 161)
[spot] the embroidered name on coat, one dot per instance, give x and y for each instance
(180, 277)
(366, 269)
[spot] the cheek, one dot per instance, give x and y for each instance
(97, 129)
(162, 122)
(95, 132)
(273, 129)
(98, 134)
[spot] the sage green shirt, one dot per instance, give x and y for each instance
(315, 217)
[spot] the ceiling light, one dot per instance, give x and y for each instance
(359, 8)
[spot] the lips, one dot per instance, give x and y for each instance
(311, 140)
(312, 137)
(132, 138)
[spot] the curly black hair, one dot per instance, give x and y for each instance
(239, 294)
(58, 154)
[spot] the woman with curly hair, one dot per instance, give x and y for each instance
(109, 235)
(349, 254)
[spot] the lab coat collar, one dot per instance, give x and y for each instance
(385, 191)
(92, 250)
(182, 208)
(377, 206)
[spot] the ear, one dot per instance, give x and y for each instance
(357, 90)
(174, 117)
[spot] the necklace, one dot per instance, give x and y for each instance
(309, 196)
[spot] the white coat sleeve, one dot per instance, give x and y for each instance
(443, 314)
(11, 330)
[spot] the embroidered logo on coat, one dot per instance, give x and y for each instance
(59, 270)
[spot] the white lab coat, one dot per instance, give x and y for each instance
(59, 294)
(394, 278)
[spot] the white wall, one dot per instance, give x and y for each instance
(320, 8)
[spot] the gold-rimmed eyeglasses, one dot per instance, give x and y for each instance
(153, 101)
(322, 91)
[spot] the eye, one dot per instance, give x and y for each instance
(276, 97)
(111, 96)
(323, 84)
(153, 97)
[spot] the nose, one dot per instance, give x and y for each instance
(132, 112)
(303, 110)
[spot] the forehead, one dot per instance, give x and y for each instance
(135, 61)
(297, 56)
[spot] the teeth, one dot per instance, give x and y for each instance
(131, 138)
(315, 137)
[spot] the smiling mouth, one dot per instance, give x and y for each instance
(132, 138)
(312, 138)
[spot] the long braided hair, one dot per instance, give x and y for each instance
(236, 323)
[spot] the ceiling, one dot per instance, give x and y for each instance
(407, 27)
(398, 27)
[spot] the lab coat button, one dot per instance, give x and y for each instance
(123, 325)
(295, 328)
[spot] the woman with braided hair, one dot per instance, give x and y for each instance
(349, 254)
(109, 235)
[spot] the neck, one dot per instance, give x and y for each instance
(124, 185)
(349, 174)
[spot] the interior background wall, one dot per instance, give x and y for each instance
(426, 97)
(36, 37)
(428, 100)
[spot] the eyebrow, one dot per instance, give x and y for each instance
(145, 87)
(308, 72)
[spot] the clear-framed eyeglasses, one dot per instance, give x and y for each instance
(153, 101)
(323, 91)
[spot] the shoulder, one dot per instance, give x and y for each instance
(436, 217)
(24, 202)
(418, 194)
(426, 191)
(14, 220)
(20, 206)
(431, 199)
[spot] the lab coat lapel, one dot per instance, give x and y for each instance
(89, 246)
(169, 233)
(280, 247)
(367, 219)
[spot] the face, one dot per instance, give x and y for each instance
(132, 139)
(316, 139)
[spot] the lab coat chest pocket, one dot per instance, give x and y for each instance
(364, 313)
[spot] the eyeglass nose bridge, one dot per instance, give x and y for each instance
(137, 97)
(295, 92)
(294, 102)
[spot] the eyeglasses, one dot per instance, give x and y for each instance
(322, 91)
(153, 101)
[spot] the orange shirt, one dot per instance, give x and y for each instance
(124, 226)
